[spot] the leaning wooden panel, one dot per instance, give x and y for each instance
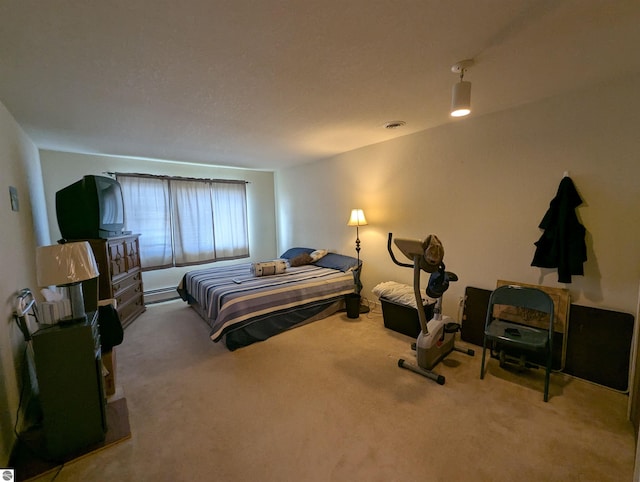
(562, 302)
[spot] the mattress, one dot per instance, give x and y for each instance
(242, 308)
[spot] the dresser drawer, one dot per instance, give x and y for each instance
(131, 309)
(117, 258)
(128, 293)
(123, 254)
(124, 283)
(133, 256)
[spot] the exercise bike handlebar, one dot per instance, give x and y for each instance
(393, 258)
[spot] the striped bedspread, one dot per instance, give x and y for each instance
(231, 296)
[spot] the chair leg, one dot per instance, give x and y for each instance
(546, 378)
(484, 349)
(546, 386)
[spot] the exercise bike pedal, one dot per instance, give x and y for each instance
(451, 327)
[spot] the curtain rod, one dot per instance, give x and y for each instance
(175, 178)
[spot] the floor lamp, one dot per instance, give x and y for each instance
(357, 219)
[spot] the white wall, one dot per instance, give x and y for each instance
(21, 231)
(62, 168)
(482, 184)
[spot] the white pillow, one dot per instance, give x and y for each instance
(317, 254)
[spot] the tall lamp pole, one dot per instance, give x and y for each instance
(357, 219)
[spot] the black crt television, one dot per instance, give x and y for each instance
(90, 208)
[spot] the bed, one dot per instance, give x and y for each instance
(242, 308)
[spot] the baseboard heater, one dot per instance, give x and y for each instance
(161, 294)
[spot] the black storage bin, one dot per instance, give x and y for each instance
(402, 318)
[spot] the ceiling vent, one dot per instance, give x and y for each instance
(394, 124)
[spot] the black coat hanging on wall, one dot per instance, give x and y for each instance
(562, 245)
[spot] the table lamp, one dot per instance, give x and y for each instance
(67, 265)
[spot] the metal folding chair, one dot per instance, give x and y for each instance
(502, 336)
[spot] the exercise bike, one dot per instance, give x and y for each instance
(437, 335)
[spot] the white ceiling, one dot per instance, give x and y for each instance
(272, 83)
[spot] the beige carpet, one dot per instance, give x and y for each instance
(327, 402)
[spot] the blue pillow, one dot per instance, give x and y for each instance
(337, 261)
(293, 252)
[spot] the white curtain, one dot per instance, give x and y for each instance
(186, 221)
(193, 217)
(231, 237)
(147, 212)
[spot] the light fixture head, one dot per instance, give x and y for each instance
(461, 99)
(461, 93)
(357, 218)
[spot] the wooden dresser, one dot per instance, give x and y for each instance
(120, 278)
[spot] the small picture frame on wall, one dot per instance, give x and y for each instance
(13, 194)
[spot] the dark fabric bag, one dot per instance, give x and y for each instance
(111, 332)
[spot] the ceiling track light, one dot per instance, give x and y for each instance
(461, 93)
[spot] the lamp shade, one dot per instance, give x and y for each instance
(357, 218)
(65, 264)
(461, 99)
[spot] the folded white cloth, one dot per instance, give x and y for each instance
(398, 293)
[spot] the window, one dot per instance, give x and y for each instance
(185, 221)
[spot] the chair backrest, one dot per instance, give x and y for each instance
(521, 297)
